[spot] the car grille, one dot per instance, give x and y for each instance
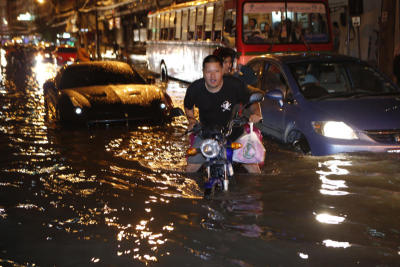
(384, 136)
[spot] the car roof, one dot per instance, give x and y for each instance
(288, 58)
(115, 66)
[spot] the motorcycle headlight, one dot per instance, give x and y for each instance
(334, 129)
(210, 148)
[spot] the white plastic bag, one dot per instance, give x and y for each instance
(252, 150)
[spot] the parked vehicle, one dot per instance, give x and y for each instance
(218, 150)
(104, 92)
(328, 104)
(65, 54)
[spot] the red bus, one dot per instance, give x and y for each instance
(181, 35)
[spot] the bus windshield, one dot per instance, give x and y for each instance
(271, 23)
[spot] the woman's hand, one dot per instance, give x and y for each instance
(255, 118)
(192, 123)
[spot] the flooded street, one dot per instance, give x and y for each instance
(117, 196)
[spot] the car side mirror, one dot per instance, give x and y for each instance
(276, 95)
(176, 112)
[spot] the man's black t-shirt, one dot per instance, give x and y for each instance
(215, 108)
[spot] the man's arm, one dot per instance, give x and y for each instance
(190, 117)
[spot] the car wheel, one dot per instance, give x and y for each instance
(164, 72)
(299, 142)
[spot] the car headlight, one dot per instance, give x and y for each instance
(210, 148)
(38, 59)
(78, 111)
(334, 129)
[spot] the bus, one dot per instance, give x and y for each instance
(180, 36)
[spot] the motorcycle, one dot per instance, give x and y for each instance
(218, 150)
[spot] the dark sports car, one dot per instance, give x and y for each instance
(104, 92)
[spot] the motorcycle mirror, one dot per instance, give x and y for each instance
(256, 97)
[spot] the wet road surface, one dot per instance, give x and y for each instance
(117, 196)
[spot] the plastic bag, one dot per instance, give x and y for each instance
(252, 150)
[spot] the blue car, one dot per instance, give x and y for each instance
(327, 104)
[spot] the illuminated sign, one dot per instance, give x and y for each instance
(25, 17)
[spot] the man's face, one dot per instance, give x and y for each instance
(213, 75)
(227, 66)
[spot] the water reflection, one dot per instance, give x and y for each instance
(335, 168)
(336, 244)
(329, 219)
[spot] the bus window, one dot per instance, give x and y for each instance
(178, 25)
(208, 22)
(150, 29)
(171, 30)
(158, 22)
(269, 23)
(229, 33)
(165, 27)
(185, 16)
(218, 22)
(161, 27)
(192, 23)
(200, 23)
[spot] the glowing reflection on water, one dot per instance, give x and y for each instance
(336, 244)
(333, 186)
(329, 219)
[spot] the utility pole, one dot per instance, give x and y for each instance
(386, 36)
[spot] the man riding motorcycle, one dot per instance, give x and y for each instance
(215, 95)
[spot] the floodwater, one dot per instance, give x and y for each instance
(117, 196)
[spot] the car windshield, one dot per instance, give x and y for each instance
(318, 80)
(81, 76)
(269, 22)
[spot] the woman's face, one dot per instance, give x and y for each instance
(227, 65)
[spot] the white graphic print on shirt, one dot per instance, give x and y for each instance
(226, 106)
